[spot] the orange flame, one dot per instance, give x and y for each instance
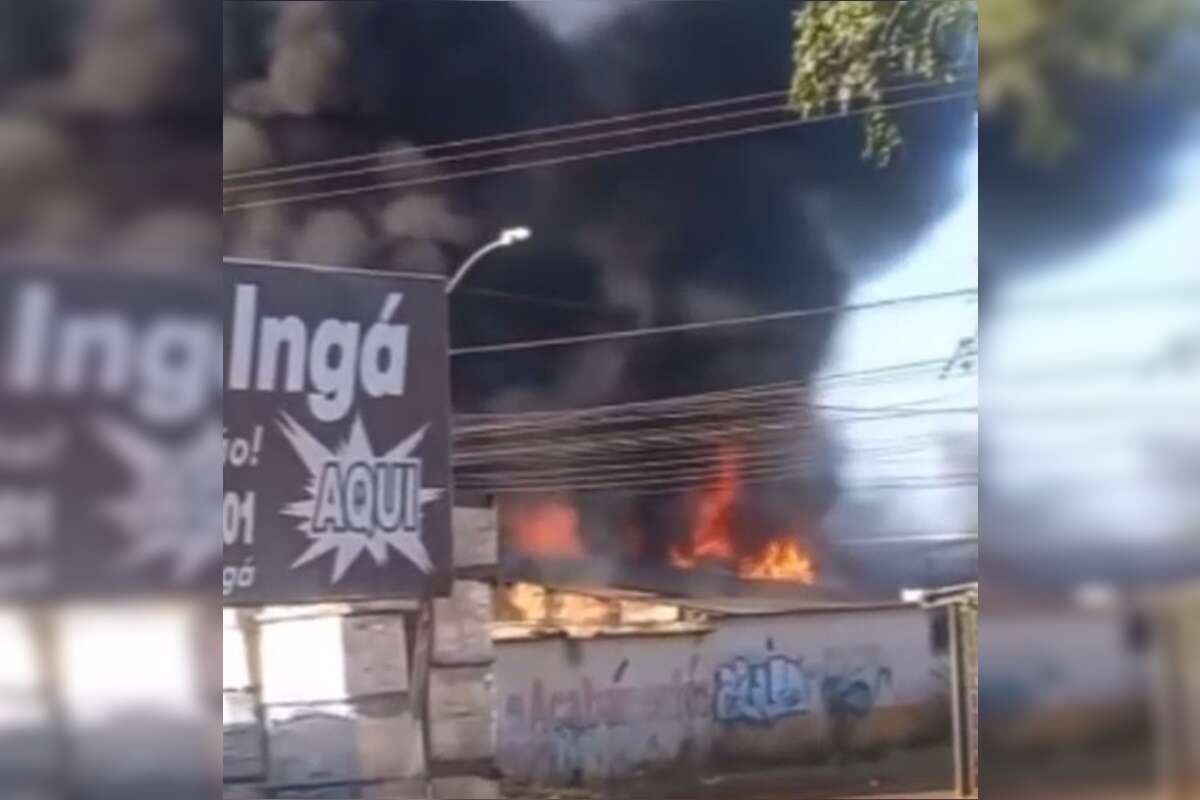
(781, 560)
(712, 538)
(548, 530)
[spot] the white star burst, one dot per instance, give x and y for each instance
(173, 506)
(349, 546)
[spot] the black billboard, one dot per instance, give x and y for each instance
(336, 435)
(109, 412)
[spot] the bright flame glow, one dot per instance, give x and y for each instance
(533, 604)
(712, 537)
(529, 601)
(548, 530)
(781, 560)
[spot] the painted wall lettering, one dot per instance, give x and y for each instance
(761, 692)
(848, 684)
(589, 704)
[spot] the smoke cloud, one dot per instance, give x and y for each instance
(108, 145)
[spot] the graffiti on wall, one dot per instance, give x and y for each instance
(598, 731)
(602, 727)
(1011, 690)
(853, 695)
(848, 683)
(589, 704)
(763, 692)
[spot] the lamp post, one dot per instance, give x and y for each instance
(507, 238)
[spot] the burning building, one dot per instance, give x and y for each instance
(624, 471)
(711, 494)
(546, 534)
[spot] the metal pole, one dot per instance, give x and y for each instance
(957, 735)
(1173, 733)
(470, 262)
(970, 614)
(964, 698)
(507, 238)
(248, 626)
(45, 626)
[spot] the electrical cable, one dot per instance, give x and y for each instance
(580, 157)
(691, 327)
(774, 108)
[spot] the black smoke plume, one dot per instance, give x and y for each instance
(108, 134)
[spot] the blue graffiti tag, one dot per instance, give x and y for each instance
(853, 696)
(761, 693)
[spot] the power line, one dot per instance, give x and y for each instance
(775, 108)
(688, 462)
(710, 418)
(684, 428)
(937, 538)
(575, 158)
(687, 446)
(420, 150)
(706, 456)
(537, 300)
(781, 401)
(582, 451)
(890, 371)
(737, 442)
(687, 465)
(692, 482)
(501, 151)
(700, 421)
(788, 398)
(698, 326)
(724, 443)
(720, 426)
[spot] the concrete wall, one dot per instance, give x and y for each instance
(461, 700)
(379, 701)
(752, 690)
(601, 709)
(330, 712)
(1059, 677)
(805, 686)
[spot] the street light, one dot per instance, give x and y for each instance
(507, 238)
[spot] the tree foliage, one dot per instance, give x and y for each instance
(851, 52)
(1030, 56)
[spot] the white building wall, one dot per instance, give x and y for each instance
(797, 686)
(601, 709)
(1059, 658)
(762, 689)
(1060, 678)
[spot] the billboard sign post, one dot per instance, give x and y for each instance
(336, 470)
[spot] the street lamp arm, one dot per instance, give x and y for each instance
(507, 238)
(470, 262)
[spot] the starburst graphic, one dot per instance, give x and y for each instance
(349, 545)
(172, 509)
